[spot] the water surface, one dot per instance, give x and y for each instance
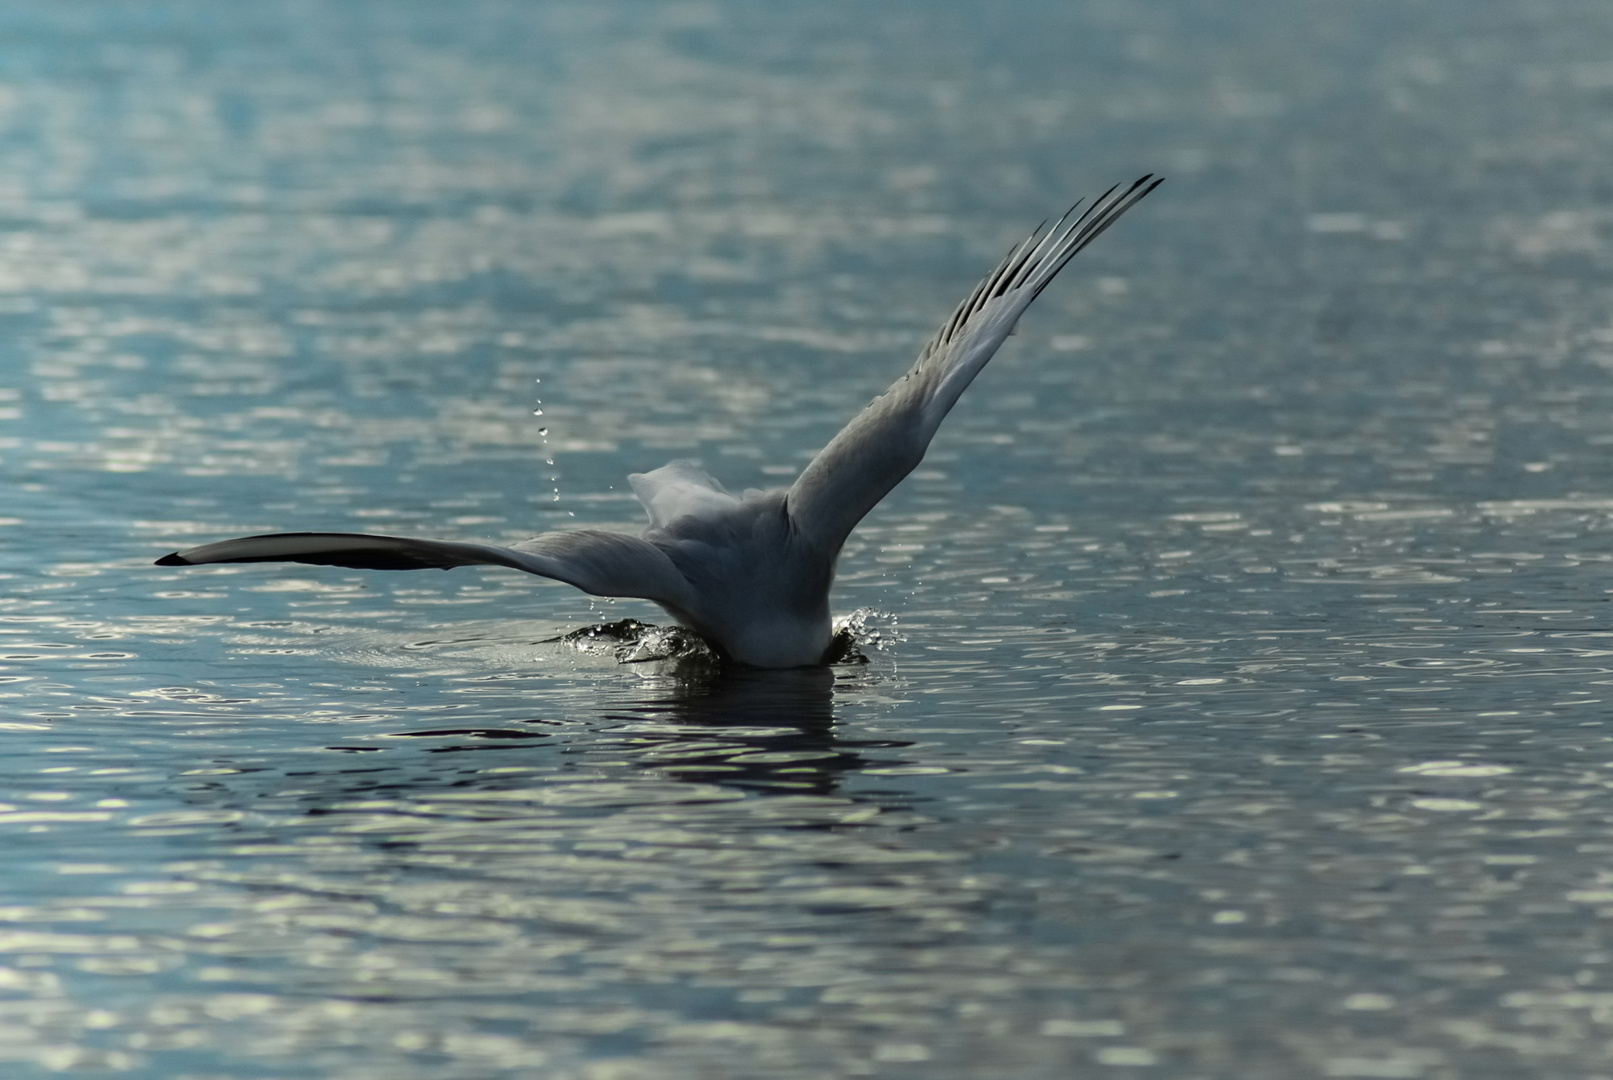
(1235, 702)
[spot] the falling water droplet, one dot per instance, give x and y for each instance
(537, 412)
(543, 431)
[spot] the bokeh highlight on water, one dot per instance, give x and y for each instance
(1237, 663)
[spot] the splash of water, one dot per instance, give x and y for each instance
(553, 476)
(863, 629)
(633, 642)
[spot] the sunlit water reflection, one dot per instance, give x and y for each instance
(1236, 665)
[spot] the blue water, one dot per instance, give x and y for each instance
(1235, 702)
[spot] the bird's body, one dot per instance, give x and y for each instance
(751, 573)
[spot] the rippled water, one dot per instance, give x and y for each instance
(1237, 664)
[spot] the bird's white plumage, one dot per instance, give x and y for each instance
(680, 489)
(750, 573)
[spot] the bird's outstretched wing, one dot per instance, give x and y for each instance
(887, 440)
(601, 563)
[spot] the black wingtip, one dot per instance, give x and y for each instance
(173, 560)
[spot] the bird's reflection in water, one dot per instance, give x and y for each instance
(692, 720)
(746, 728)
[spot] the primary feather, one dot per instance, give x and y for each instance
(750, 573)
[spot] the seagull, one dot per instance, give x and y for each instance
(749, 573)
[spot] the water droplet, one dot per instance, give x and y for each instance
(543, 431)
(548, 461)
(537, 412)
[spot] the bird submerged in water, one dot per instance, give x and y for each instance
(751, 573)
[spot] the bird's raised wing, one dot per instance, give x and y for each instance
(601, 563)
(887, 440)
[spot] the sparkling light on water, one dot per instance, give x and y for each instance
(1234, 670)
